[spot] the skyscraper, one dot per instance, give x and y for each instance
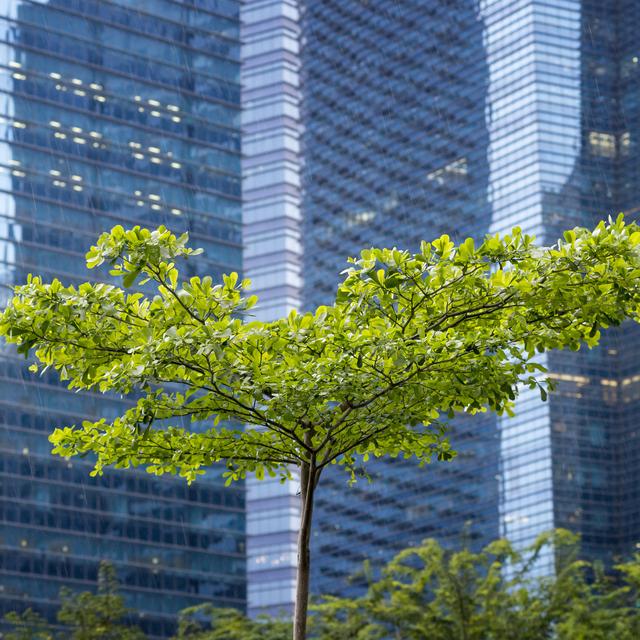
(465, 117)
(112, 113)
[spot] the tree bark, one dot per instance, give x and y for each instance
(307, 489)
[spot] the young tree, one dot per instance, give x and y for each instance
(98, 616)
(28, 625)
(84, 616)
(496, 594)
(409, 338)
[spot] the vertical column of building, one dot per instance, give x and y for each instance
(272, 259)
(533, 116)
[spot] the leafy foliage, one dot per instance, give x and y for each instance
(429, 592)
(424, 592)
(28, 625)
(98, 616)
(206, 622)
(411, 337)
(84, 616)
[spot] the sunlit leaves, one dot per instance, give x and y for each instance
(411, 338)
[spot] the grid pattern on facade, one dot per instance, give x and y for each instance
(395, 151)
(112, 113)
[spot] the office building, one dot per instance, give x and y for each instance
(465, 117)
(112, 113)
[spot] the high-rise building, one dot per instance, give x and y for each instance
(273, 252)
(112, 112)
(465, 117)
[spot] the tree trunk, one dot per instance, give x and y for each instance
(307, 489)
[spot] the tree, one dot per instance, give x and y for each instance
(496, 594)
(28, 625)
(410, 338)
(84, 616)
(98, 616)
(228, 624)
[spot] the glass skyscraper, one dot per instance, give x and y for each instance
(409, 119)
(112, 112)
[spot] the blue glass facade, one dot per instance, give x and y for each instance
(112, 112)
(594, 416)
(395, 150)
(466, 117)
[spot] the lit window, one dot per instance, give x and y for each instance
(154, 149)
(176, 212)
(15, 64)
(15, 163)
(54, 123)
(140, 203)
(134, 145)
(79, 140)
(580, 381)
(96, 86)
(602, 144)
(138, 156)
(153, 103)
(19, 76)
(55, 76)
(54, 172)
(154, 196)
(173, 107)
(62, 136)
(95, 134)
(156, 160)
(155, 114)
(137, 98)
(77, 187)
(76, 178)
(19, 125)
(457, 168)
(18, 174)
(175, 118)
(176, 165)
(625, 142)
(156, 207)
(137, 193)
(76, 129)
(25, 451)
(76, 81)
(100, 98)
(357, 218)
(79, 93)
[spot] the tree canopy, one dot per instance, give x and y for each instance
(411, 339)
(83, 616)
(426, 591)
(499, 593)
